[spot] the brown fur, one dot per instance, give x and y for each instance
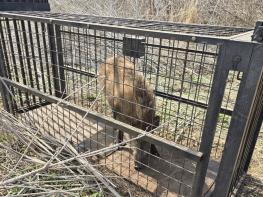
(129, 95)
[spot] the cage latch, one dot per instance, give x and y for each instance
(134, 47)
(258, 32)
(236, 60)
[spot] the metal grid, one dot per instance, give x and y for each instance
(180, 73)
(30, 56)
(219, 31)
(175, 75)
(181, 92)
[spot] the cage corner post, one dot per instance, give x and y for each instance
(239, 126)
(214, 106)
(256, 35)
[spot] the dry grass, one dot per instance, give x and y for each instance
(253, 183)
(32, 163)
(219, 12)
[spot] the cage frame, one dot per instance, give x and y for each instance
(236, 53)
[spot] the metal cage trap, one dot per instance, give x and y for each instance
(169, 107)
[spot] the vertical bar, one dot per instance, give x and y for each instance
(214, 105)
(40, 57)
(239, 124)
(12, 51)
(60, 61)
(255, 133)
(27, 57)
(30, 32)
(257, 129)
(4, 51)
(6, 97)
(19, 50)
(43, 31)
(54, 60)
(6, 64)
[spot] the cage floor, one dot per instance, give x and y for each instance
(154, 177)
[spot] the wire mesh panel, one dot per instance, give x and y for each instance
(27, 57)
(138, 102)
(197, 29)
(180, 73)
(166, 175)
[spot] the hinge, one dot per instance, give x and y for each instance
(258, 32)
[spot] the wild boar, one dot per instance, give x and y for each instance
(131, 99)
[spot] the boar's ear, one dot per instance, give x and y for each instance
(156, 121)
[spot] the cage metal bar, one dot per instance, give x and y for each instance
(53, 57)
(81, 72)
(258, 125)
(13, 59)
(21, 62)
(60, 61)
(145, 43)
(27, 56)
(40, 56)
(6, 97)
(190, 102)
(250, 137)
(30, 32)
(5, 72)
(238, 126)
(188, 153)
(214, 106)
(43, 30)
(32, 107)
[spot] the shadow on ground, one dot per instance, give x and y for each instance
(251, 187)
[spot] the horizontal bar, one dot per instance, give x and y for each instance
(32, 107)
(190, 102)
(82, 72)
(169, 145)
